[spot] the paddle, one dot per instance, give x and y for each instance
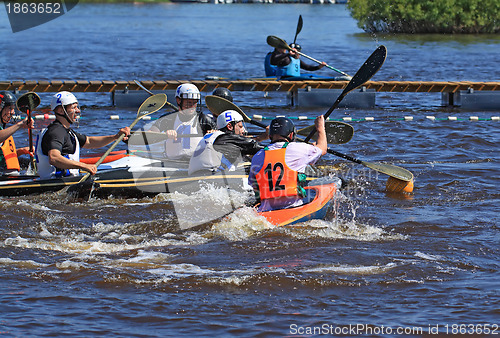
(149, 106)
(365, 73)
(141, 137)
(299, 28)
(337, 132)
(151, 93)
(27, 103)
(217, 106)
(367, 70)
(276, 42)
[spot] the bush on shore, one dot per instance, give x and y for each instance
(427, 16)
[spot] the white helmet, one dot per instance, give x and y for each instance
(228, 116)
(187, 91)
(62, 99)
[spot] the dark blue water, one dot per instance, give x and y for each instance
(384, 265)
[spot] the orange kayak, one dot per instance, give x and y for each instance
(320, 196)
(113, 156)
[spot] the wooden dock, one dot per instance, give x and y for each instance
(464, 94)
(244, 85)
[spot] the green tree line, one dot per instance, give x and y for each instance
(427, 16)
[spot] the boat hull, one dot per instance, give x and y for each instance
(130, 176)
(320, 192)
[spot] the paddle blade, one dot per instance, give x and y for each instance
(391, 170)
(82, 190)
(368, 69)
(152, 104)
(28, 101)
(299, 28)
(365, 73)
(276, 42)
(217, 105)
(336, 132)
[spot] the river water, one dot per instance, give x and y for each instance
(382, 265)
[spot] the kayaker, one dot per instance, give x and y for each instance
(277, 171)
(224, 149)
(287, 63)
(9, 163)
(189, 120)
(58, 146)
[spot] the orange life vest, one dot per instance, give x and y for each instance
(10, 154)
(275, 178)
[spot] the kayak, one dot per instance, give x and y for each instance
(130, 176)
(113, 156)
(303, 77)
(320, 194)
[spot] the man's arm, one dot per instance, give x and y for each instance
(311, 68)
(100, 141)
(59, 161)
(321, 143)
(280, 59)
(7, 132)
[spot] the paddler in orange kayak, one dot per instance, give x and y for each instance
(277, 171)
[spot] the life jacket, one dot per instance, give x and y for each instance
(268, 67)
(275, 179)
(183, 146)
(205, 157)
(9, 154)
(45, 169)
(292, 69)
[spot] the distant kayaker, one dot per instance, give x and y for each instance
(189, 120)
(287, 63)
(223, 149)
(9, 163)
(277, 171)
(58, 146)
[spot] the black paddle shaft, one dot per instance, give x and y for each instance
(347, 157)
(365, 73)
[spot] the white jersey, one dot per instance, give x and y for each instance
(205, 157)
(183, 147)
(45, 169)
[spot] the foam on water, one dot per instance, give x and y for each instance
(240, 225)
(25, 264)
(352, 269)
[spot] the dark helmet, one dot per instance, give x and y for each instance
(296, 46)
(7, 99)
(224, 93)
(282, 126)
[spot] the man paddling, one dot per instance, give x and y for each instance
(58, 146)
(189, 120)
(9, 163)
(287, 63)
(223, 149)
(277, 171)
